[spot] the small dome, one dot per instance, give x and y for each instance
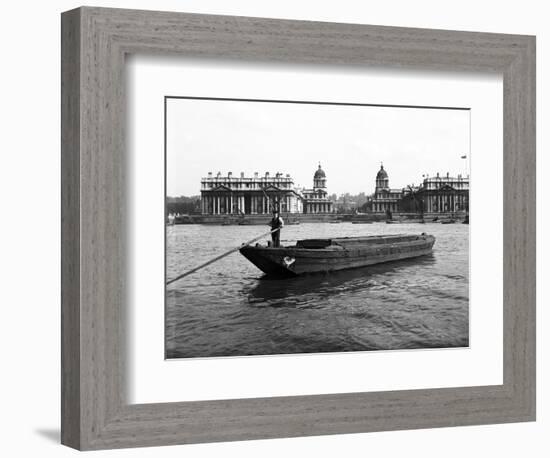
(319, 173)
(381, 175)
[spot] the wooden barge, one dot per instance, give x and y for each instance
(327, 255)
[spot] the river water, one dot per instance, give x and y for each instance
(230, 309)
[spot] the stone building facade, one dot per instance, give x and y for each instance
(385, 199)
(316, 200)
(439, 194)
(238, 195)
(445, 194)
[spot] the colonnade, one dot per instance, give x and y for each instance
(238, 204)
(445, 203)
(314, 207)
(381, 207)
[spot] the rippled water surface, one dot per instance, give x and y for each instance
(230, 309)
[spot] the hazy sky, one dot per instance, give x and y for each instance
(350, 142)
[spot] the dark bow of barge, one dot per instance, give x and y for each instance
(327, 255)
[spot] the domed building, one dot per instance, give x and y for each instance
(315, 200)
(385, 199)
(382, 180)
(319, 178)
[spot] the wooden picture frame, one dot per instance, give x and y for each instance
(95, 411)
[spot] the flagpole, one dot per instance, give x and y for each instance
(465, 157)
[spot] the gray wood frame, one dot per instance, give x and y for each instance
(95, 413)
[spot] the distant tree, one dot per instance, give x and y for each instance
(365, 208)
(183, 205)
(357, 199)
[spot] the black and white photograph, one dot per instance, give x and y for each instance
(300, 227)
(253, 233)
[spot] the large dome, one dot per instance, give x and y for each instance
(319, 173)
(381, 175)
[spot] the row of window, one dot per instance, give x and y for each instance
(232, 185)
(456, 185)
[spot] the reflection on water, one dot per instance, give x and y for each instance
(231, 308)
(269, 291)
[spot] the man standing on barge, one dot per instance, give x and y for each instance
(276, 223)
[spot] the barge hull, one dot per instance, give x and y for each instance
(297, 261)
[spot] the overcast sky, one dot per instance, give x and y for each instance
(350, 142)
